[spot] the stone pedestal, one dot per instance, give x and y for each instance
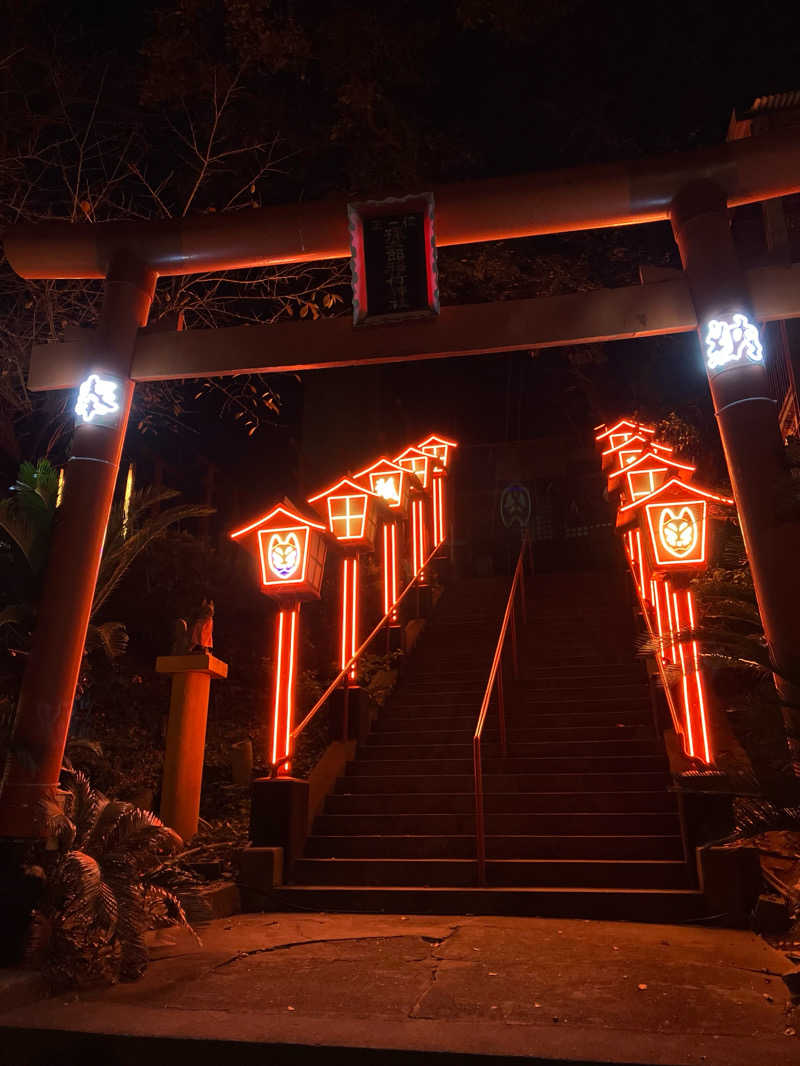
(279, 816)
(186, 737)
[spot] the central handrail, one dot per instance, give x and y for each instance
(496, 677)
(344, 673)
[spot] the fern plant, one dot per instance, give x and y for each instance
(99, 897)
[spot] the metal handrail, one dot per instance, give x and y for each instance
(496, 676)
(344, 673)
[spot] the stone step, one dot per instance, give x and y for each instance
(509, 764)
(635, 781)
(377, 748)
(521, 804)
(454, 846)
(572, 873)
(599, 904)
(556, 826)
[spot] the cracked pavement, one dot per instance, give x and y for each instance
(566, 991)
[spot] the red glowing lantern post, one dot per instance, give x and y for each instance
(392, 484)
(666, 535)
(440, 451)
(421, 465)
(351, 512)
(643, 475)
(290, 549)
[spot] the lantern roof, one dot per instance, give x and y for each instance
(346, 486)
(636, 439)
(384, 469)
(281, 514)
(438, 448)
(624, 425)
(673, 489)
(411, 459)
(651, 461)
(381, 466)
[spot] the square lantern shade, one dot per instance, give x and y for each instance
(439, 448)
(627, 451)
(645, 474)
(673, 522)
(389, 481)
(290, 549)
(612, 436)
(351, 512)
(418, 463)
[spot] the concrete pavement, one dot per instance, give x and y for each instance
(369, 988)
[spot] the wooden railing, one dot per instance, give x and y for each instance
(495, 684)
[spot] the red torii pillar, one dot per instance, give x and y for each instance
(748, 425)
(39, 737)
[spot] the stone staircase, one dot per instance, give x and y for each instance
(579, 818)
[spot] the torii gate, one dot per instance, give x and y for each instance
(693, 190)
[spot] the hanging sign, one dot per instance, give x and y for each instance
(393, 259)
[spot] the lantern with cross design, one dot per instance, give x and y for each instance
(351, 512)
(646, 473)
(421, 465)
(392, 484)
(440, 449)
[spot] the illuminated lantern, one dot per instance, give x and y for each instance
(613, 436)
(629, 449)
(675, 521)
(352, 515)
(645, 474)
(439, 449)
(667, 539)
(290, 549)
(392, 484)
(421, 465)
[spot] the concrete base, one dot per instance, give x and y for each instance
(279, 816)
(260, 869)
(358, 713)
(730, 879)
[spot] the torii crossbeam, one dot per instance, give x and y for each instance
(693, 190)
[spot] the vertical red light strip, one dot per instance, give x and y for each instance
(671, 630)
(701, 703)
(343, 656)
(416, 523)
(394, 568)
(353, 618)
(640, 557)
(277, 699)
(387, 571)
(289, 694)
(686, 704)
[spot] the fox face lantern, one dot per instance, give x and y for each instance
(677, 531)
(674, 525)
(290, 550)
(283, 554)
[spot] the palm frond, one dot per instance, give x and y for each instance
(111, 637)
(119, 551)
(26, 516)
(85, 806)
